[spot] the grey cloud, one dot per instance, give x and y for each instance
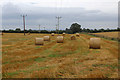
(46, 17)
(33, 3)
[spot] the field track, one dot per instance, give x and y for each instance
(21, 58)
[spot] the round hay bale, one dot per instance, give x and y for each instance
(28, 33)
(1, 33)
(39, 41)
(46, 38)
(77, 34)
(60, 39)
(63, 34)
(73, 37)
(52, 34)
(95, 43)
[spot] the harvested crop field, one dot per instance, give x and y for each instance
(21, 58)
(108, 34)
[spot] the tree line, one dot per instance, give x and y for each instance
(74, 28)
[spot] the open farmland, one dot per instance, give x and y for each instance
(108, 34)
(21, 58)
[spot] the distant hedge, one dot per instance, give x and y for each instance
(74, 28)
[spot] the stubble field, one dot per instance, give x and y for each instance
(108, 34)
(21, 58)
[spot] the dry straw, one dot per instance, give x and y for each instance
(77, 34)
(73, 37)
(39, 41)
(46, 38)
(60, 39)
(52, 34)
(95, 43)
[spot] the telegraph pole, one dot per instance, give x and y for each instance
(24, 22)
(56, 29)
(58, 22)
(39, 28)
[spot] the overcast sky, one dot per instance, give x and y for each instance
(89, 13)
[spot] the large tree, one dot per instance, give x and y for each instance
(75, 27)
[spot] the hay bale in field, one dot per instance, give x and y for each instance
(73, 37)
(95, 43)
(1, 33)
(52, 34)
(63, 34)
(60, 39)
(46, 38)
(28, 33)
(77, 34)
(39, 41)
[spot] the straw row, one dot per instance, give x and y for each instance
(94, 43)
